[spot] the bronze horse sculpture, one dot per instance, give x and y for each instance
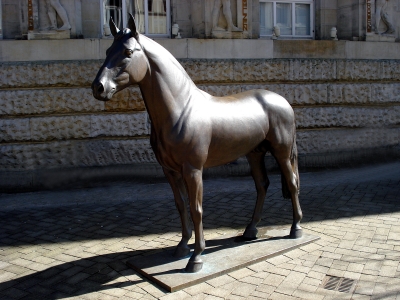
(192, 130)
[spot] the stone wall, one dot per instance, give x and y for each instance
(347, 110)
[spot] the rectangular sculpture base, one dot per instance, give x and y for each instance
(49, 35)
(230, 35)
(380, 38)
(220, 257)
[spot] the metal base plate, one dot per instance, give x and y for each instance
(220, 257)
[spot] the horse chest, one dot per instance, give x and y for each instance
(167, 153)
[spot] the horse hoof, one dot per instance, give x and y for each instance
(296, 233)
(181, 252)
(194, 266)
(250, 234)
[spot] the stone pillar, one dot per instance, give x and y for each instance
(198, 19)
(1, 22)
(28, 17)
(369, 6)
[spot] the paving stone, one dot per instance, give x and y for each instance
(279, 296)
(259, 267)
(218, 292)
(274, 280)
(198, 288)
(312, 281)
(14, 293)
(176, 296)
(279, 271)
(243, 289)
(307, 295)
(154, 291)
(352, 275)
(229, 297)
(307, 287)
(355, 267)
(252, 280)
(388, 271)
(200, 296)
(336, 272)
(365, 288)
(317, 275)
(360, 297)
(221, 280)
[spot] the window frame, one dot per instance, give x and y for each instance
(293, 11)
(146, 19)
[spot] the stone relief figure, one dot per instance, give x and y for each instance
(53, 7)
(382, 14)
(226, 9)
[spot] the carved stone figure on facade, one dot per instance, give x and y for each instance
(226, 9)
(381, 13)
(53, 7)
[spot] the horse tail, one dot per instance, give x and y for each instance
(295, 168)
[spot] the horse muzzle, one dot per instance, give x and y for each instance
(100, 92)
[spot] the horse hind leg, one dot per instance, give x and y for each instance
(259, 174)
(288, 166)
(179, 190)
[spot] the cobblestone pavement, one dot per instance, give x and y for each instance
(74, 243)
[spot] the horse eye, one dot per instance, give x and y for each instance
(128, 52)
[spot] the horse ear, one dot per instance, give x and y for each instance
(132, 26)
(114, 29)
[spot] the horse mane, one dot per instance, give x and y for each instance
(154, 51)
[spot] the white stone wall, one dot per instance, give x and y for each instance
(49, 119)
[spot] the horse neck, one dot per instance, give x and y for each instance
(166, 87)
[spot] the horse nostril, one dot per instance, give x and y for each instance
(100, 88)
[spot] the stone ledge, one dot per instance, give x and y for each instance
(44, 50)
(309, 49)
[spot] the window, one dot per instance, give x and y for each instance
(294, 18)
(152, 16)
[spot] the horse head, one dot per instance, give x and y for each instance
(125, 63)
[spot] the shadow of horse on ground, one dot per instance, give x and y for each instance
(97, 273)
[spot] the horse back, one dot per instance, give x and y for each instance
(241, 122)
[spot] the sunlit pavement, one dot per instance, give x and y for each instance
(74, 243)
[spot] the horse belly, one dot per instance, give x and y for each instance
(231, 141)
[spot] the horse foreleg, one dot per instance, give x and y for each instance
(194, 184)
(291, 181)
(180, 195)
(259, 174)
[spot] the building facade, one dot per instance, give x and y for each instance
(343, 84)
(312, 19)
